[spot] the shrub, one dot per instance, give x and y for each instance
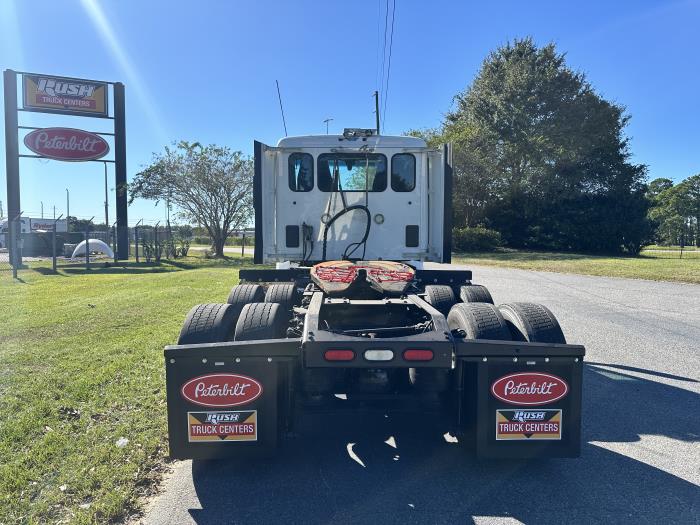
(475, 239)
(184, 247)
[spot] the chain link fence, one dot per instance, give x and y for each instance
(8, 232)
(51, 250)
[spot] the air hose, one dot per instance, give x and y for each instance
(340, 214)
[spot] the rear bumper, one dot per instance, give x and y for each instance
(238, 398)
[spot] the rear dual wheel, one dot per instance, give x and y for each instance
(475, 293)
(440, 296)
(529, 322)
(250, 313)
(209, 323)
(532, 322)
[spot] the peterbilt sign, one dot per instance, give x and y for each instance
(71, 96)
(221, 390)
(66, 144)
(529, 388)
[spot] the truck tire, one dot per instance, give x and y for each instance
(532, 322)
(440, 296)
(209, 323)
(478, 321)
(242, 294)
(283, 294)
(475, 293)
(261, 321)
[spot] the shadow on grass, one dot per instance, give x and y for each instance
(165, 266)
(524, 256)
(510, 255)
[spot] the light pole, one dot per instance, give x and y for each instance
(327, 121)
(67, 210)
(106, 199)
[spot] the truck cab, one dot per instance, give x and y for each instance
(357, 196)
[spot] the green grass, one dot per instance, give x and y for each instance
(81, 366)
(649, 265)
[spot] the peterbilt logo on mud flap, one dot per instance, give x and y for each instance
(221, 390)
(529, 388)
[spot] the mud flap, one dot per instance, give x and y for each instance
(520, 400)
(229, 399)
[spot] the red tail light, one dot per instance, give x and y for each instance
(418, 355)
(339, 355)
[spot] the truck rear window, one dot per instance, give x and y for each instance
(301, 172)
(352, 172)
(403, 172)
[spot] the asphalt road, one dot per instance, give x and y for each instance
(640, 459)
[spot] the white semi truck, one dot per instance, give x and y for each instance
(363, 307)
(32, 225)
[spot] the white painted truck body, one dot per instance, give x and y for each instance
(409, 222)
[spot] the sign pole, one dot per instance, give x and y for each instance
(120, 171)
(106, 199)
(12, 161)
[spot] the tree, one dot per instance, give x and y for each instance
(657, 186)
(542, 158)
(81, 225)
(676, 213)
(210, 185)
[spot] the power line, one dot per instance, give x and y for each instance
(284, 122)
(379, 33)
(391, 44)
(386, 26)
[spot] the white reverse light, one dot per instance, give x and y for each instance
(379, 355)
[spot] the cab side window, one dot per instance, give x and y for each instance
(403, 172)
(301, 172)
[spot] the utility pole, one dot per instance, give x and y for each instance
(54, 212)
(327, 121)
(376, 109)
(42, 209)
(67, 210)
(106, 199)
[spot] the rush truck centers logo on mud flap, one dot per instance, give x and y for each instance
(528, 425)
(529, 388)
(222, 426)
(221, 390)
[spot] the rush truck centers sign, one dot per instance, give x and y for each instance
(71, 96)
(66, 144)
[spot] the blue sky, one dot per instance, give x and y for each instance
(206, 71)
